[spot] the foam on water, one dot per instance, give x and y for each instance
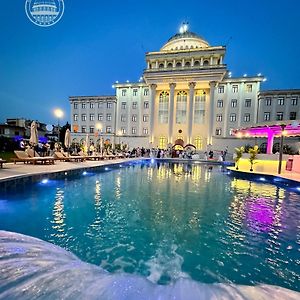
(34, 269)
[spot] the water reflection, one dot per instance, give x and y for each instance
(59, 216)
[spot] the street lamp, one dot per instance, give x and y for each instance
(99, 130)
(58, 114)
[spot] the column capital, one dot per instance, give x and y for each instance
(212, 84)
(172, 85)
(153, 86)
(192, 85)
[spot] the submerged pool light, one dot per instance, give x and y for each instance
(84, 173)
(152, 160)
(44, 181)
(106, 169)
(262, 178)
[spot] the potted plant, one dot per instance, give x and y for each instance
(253, 156)
(238, 154)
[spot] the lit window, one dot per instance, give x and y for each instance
(92, 129)
(221, 89)
(280, 101)
(220, 103)
(108, 117)
(246, 117)
(234, 103)
(133, 130)
(145, 131)
(162, 142)
(199, 108)
(247, 102)
(199, 143)
(268, 101)
(75, 105)
(123, 130)
(181, 107)
(146, 92)
(134, 105)
(146, 104)
(123, 93)
(123, 118)
(267, 116)
(75, 117)
(134, 118)
(100, 117)
(83, 105)
(279, 116)
(100, 104)
(83, 129)
(163, 108)
(219, 118)
(231, 131)
(294, 101)
(232, 117)
(235, 88)
(248, 88)
(92, 117)
(108, 129)
(83, 117)
(109, 104)
(123, 105)
(134, 92)
(145, 118)
(92, 105)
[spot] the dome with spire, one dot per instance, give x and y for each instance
(185, 40)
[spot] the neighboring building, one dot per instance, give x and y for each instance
(278, 105)
(187, 93)
(93, 115)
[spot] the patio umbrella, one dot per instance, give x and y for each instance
(68, 140)
(87, 143)
(33, 141)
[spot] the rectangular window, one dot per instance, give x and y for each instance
(248, 88)
(92, 117)
(133, 130)
(83, 117)
(145, 131)
(268, 101)
(146, 104)
(220, 103)
(83, 105)
(134, 105)
(123, 93)
(247, 102)
(75, 117)
(294, 101)
(108, 129)
(221, 89)
(92, 105)
(134, 118)
(100, 117)
(83, 129)
(146, 92)
(145, 118)
(232, 117)
(134, 92)
(108, 117)
(279, 116)
(234, 103)
(280, 101)
(235, 88)
(219, 118)
(246, 117)
(123, 118)
(218, 131)
(199, 110)
(267, 116)
(109, 105)
(123, 105)
(231, 131)
(123, 130)
(100, 104)
(92, 129)
(75, 105)
(293, 115)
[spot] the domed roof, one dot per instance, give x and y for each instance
(185, 40)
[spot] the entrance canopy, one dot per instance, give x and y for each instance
(270, 130)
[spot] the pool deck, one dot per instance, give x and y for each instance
(285, 175)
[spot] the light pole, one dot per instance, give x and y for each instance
(58, 114)
(120, 134)
(99, 130)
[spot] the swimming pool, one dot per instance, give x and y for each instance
(166, 221)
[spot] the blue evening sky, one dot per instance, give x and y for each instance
(98, 42)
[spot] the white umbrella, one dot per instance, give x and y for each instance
(68, 139)
(87, 143)
(33, 134)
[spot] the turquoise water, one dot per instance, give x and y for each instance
(167, 221)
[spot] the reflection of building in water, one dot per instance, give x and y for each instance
(58, 222)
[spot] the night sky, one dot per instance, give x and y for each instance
(98, 42)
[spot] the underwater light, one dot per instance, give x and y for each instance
(106, 169)
(298, 188)
(262, 179)
(84, 173)
(152, 160)
(44, 181)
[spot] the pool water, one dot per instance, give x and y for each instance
(166, 221)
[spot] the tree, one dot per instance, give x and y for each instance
(238, 154)
(253, 156)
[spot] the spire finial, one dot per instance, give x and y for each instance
(184, 27)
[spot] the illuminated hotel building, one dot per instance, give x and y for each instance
(186, 93)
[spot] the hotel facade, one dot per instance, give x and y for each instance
(187, 94)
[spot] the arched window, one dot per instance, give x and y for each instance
(178, 64)
(192, 47)
(199, 143)
(181, 106)
(263, 148)
(187, 64)
(163, 109)
(197, 63)
(170, 65)
(162, 142)
(161, 66)
(206, 63)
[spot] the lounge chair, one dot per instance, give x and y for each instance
(22, 156)
(60, 156)
(2, 161)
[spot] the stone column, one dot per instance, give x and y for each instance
(211, 61)
(171, 112)
(212, 85)
(152, 107)
(201, 61)
(191, 111)
(270, 142)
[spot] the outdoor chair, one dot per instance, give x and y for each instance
(2, 161)
(22, 156)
